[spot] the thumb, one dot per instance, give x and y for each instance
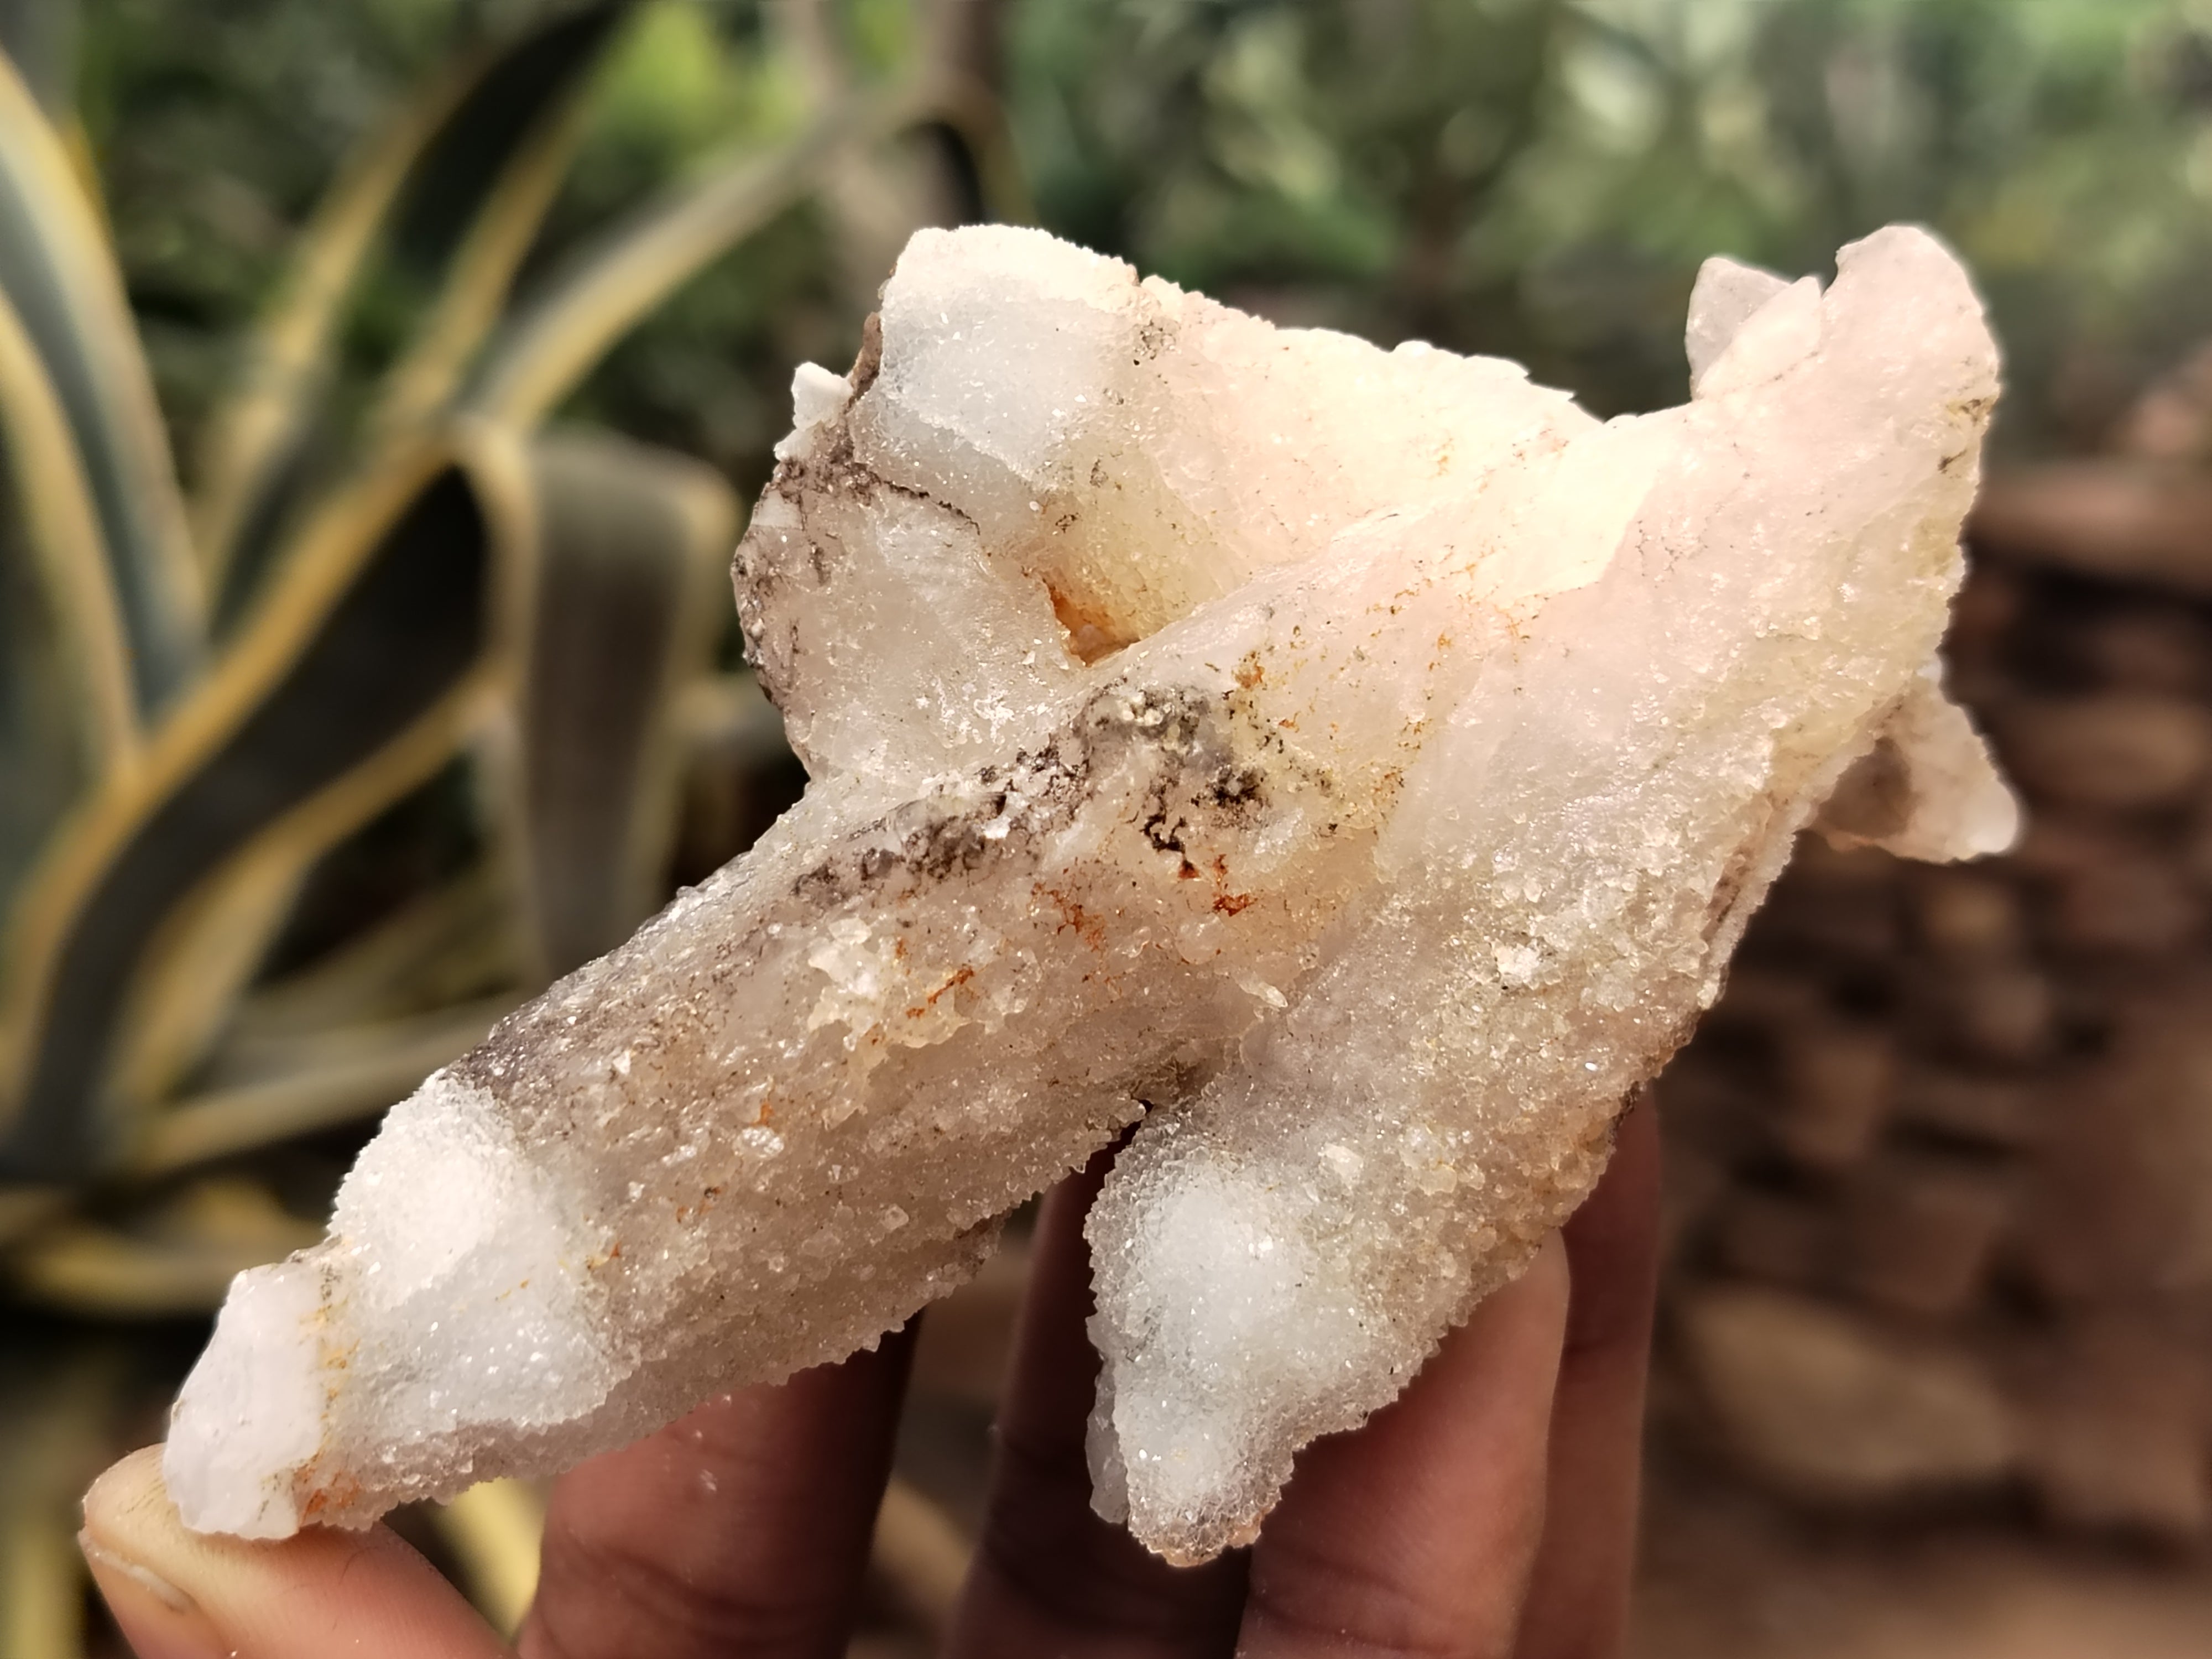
(179, 1595)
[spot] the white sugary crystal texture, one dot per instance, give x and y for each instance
(1356, 765)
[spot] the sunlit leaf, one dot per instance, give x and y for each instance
(518, 135)
(255, 438)
(61, 531)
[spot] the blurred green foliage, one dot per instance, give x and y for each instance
(1539, 178)
(408, 705)
(217, 123)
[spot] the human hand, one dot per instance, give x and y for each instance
(1489, 1511)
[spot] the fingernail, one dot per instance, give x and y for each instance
(160, 1621)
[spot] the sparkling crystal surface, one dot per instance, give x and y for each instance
(1357, 764)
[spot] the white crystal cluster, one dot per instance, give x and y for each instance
(1356, 765)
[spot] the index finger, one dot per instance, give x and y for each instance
(741, 1528)
(1050, 1577)
(1578, 1603)
(1416, 1533)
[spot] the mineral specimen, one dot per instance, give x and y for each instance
(1356, 765)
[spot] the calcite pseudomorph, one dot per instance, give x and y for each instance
(1356, 765)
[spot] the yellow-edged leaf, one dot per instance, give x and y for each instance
(448, 197)
(252, 437)
(58, 272)
(544, 81)
(344, 1076)
(361, 672)
(61, 526)
(177, 1257)
(449, 947)
(558, 337)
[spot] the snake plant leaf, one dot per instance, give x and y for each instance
(60, 523)
(494, 1531)
(360, 672)
(633, 548)
(68, 706)
(57, 1403)
(556, 336)
(485, 186)
(443, 948)
(255, 438)
(175, 1257)
(427, 225)
(346, 1075)
(40, 38)
(59, 273)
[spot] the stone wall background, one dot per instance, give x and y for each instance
(1940, 1158)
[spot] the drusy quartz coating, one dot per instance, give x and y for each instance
(1352, 767)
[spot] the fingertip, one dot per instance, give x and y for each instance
(742, 1527)
(182, 1595)
(128, 1495)
(127, 1523)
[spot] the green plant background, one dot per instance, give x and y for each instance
(1535, 178)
